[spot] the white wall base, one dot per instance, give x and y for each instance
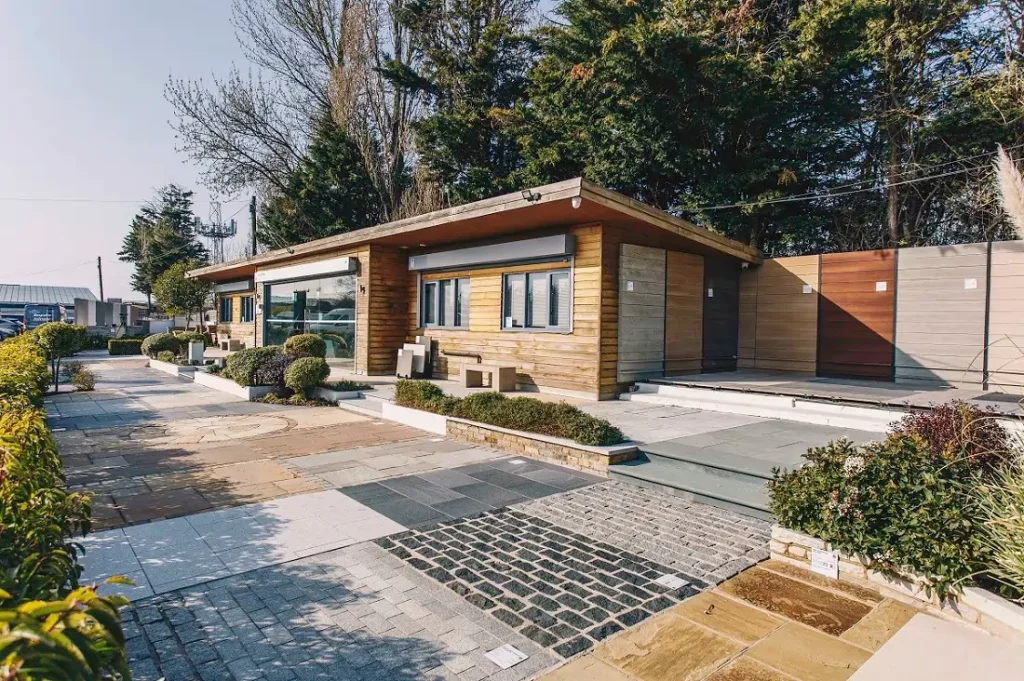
(172, 369)
(226, 385)
(424, 420)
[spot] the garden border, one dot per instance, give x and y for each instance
(172, 369)
(226, 385)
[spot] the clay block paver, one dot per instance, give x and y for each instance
(823, 610)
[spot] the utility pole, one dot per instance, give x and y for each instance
(252, 222)
(99, 268)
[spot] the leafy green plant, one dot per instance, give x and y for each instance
(273, 370)
(59, 340)
(167, 356)
(305, 373)
(893, 502)
(517, 413)
(1001, 500)
(23, 370)
(161, 342)
(124, 346)
(241, 366)
(83, 380)
(305, 345)
(346, 386)
(187, 337)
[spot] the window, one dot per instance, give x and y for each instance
(445, 303)
(225, 309)
(537, 300)
(248, 309)
(325, 306)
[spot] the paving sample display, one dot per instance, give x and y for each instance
(721, 315)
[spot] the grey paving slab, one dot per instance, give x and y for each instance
(357, 614)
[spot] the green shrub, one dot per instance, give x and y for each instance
(161, 342)
(124, 346)
(167, 356)
(187, 337)
(23, 370)
(305, 345)
(241, 367)
(517, 413)
(893, 502)
(59, 340)
(95, 342)
(305, 373)
(83, 380)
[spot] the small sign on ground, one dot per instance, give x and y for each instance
(671, 582)
(506, 656)
(825, 563)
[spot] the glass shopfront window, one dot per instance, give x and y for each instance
(325, 306)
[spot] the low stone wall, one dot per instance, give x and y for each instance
(972, 605)
(172, 369)
(550, 449)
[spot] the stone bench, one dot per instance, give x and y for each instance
(503, 376)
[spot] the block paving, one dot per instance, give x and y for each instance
(558, 588)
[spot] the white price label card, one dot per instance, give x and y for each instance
(506, 656)
(671, 582)
(807, 288)
(629, 286)
(825, 563)
(970, 284)
(881, 286)
(711, 293)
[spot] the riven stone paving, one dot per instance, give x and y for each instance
(709, 543)
(558, 588)
(428, 498)
(355, 614)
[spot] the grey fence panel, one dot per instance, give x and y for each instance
(641, 313)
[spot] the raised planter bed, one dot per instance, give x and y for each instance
(973, 605)
(172, 369)
(330, 395)
(228, 386)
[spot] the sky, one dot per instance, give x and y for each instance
(83, 116)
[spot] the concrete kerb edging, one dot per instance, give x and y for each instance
(330, 395)
(172, 369)
(230, 387)
(972, 605)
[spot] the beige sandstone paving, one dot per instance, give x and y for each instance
(809, 655)
(879, 625)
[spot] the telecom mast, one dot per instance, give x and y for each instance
(216, 230)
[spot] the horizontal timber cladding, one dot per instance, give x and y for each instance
(553, 360)
(387, 317)
(684, 314)
(940, 314)
(236, 329)
(641, 351)
(748, 319)
(1006, 318)
(855, 314)
(721, 315)
(786, 330)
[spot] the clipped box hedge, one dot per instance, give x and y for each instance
(516, 413)
(124, 346)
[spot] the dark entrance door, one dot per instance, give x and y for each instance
(721, 315)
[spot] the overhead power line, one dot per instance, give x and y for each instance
(31, 199)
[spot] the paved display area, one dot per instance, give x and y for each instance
(429, 498)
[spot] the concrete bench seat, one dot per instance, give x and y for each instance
(503, 376)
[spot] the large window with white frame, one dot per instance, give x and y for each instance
(445, 303)
(537, 301)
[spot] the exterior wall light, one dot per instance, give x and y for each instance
(530, 195)
(577, 201)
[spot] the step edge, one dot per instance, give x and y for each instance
(629, 472)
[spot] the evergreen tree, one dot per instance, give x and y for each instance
(476, 54)
(161, 234)
(328, 193)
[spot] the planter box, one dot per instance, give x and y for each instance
(424, 420)
(172, 369)
(975, 606)
(334, 395)
(226, 385)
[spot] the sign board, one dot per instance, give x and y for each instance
(629, 286)
(807, 288)
(506, 656)
(671, 581)
(825, 563)
(711, 293)
(881, 286)
(970, 284)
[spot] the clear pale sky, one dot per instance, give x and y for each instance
(82, 115)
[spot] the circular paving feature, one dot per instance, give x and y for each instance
(212, 429)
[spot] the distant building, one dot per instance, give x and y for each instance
(14, 298)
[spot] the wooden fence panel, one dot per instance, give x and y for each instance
(1006, 318)
(786, 334)
(684, 282)
(641, 342)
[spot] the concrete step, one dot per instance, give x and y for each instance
(744, 494)
(716, 462)
(767, 406)
(364, 405)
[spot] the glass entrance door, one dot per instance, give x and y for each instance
(325, 306)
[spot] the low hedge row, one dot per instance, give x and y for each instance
(517, 413)
(124, 346)
(49, 625)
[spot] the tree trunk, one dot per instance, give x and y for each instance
(894, 196)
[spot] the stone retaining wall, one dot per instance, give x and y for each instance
(589, 459)
(972, 605)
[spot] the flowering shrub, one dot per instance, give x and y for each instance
(893, 502)
(956, 430)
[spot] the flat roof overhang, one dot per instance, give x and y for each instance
(549, 206)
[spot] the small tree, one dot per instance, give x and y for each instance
(176, 293)
(58, 340)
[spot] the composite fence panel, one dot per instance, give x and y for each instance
(855, 314)
(641, 313)
(721, 314)
(786, 334)
(748, 318)
(684, 283)
(940, 314)
(1006, 318)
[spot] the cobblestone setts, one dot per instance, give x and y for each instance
(556, 587)
(709, 543)
(356, 614)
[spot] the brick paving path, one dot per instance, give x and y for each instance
(709, 543)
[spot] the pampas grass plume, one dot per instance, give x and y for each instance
(1011, 190)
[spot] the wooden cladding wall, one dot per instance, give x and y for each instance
(1006, 318)
(235, 329)
(721, 315)
(561, 361)
(781, 334)
(940, 314)
(684, 313)
(387, 318)
(855, 315)
(641, 351)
